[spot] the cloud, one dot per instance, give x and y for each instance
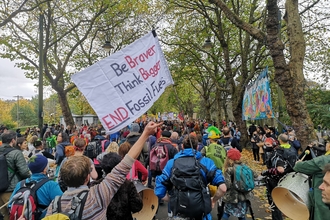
(13, 82)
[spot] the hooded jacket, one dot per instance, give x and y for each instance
(160, 189)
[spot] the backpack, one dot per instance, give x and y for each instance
(5, 181)
(243, 179)
(25, 200)
(75, 213)
(217, 153)
(288, 155)
(191, 197)
(93, 149)
(158, 158)
(102, 150)
(51, 142)
(291, 157)
(226, 146)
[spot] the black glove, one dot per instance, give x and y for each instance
(265, 173)
(271, 171)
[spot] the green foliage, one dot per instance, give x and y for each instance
(25, 113)
(318, 105)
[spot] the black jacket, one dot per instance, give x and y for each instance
(125, 202)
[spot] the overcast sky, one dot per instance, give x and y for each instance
(13, 82)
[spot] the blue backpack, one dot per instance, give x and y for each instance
(243, 179)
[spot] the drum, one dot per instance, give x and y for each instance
(150, 202)
(291, 196)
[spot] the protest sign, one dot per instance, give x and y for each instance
(123, 86)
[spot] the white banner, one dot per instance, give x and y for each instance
(123, 86)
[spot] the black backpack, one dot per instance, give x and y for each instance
(5, 181)
(291, 157)
(288, 155)
(93, 149)
(191, 197)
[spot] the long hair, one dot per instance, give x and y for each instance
(230, 163)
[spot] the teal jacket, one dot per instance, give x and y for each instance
(314, 168)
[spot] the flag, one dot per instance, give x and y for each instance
(123, 86)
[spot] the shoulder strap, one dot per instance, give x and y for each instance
(56, 207)
(34, 189)
(7, 151)
(202, 167)
(230, 140)
(78, 203)
(8, 167)
(22, 183)
(36, 186)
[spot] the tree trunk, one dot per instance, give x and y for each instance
(68, 119)
(207, 112)
(290, 76)
(218, 103)
(237, 112)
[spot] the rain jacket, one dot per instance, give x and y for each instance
(17, 163)
(160, 189)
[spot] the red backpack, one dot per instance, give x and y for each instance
(25, 201)
(158, 157)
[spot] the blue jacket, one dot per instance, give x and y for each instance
(60, 152)
(160, 189)
(46, 193)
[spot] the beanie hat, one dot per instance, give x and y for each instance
(166, 134)
(270, 141)
(37, 163)
(135, 127)
(234, 154)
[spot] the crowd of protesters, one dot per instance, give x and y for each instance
(65, 146)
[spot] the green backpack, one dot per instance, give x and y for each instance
(217, 153)
(51, 142)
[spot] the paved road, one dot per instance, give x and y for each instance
(258, 206)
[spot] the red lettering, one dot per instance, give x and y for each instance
(107, 123)
(122, 110)
(133, 62)
(153, 71)
(113, 119)
(130, 62)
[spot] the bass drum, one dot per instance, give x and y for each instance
(291, 196)
(150, 202)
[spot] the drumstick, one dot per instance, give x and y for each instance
(4, 205)
(306, 153)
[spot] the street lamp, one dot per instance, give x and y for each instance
(17, 116)
(208, 44)
(107, 46)
(41, 68)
